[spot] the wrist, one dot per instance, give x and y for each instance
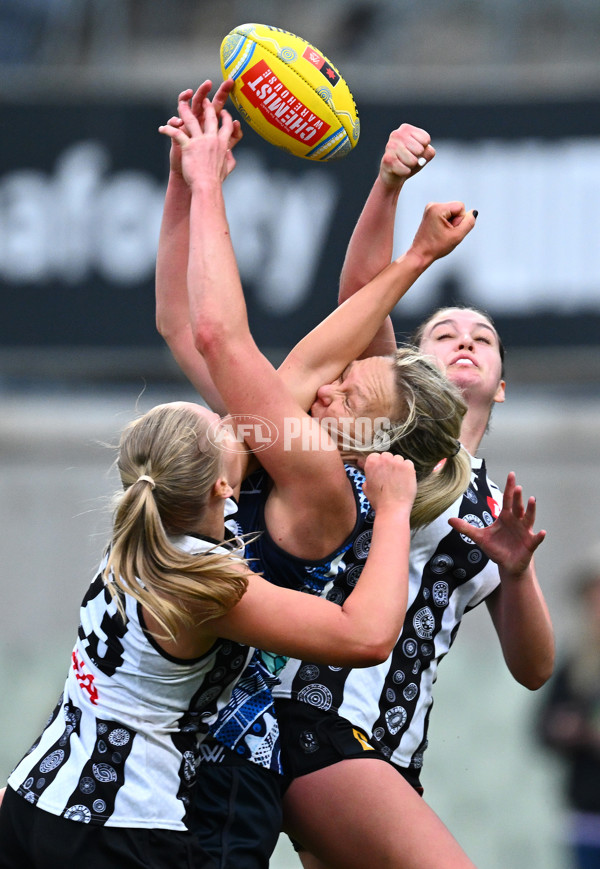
(206, 185)
(393, 512)
(390, 185)
(515, 575)
(176, 177)
(416, 260)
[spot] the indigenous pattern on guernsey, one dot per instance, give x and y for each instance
(332, 577)
(130, 720)
(392, 702)
(247, 724)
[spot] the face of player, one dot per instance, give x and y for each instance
(465, 345)
(365, 390)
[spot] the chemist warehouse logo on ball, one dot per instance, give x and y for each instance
(279, 106)
(260, 433)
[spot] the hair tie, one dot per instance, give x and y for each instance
(457, 450)
(147, 479)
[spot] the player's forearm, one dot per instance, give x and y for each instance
(172, 311)
(369, 251)
(384, 577)
(172, 306)
(372, 242)
(216, 300)
(342, 337)
(524, 626)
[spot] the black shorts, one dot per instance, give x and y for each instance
(237, 809)
(312, 739)
(31, 838)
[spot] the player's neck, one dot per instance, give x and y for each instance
(473, 428)
(212, 522)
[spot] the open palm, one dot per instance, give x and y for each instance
(510, 541)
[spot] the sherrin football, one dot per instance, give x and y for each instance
(289, 92)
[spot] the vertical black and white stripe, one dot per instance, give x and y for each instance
(449, 575)
(122, 746)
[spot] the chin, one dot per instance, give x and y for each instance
(458, 375)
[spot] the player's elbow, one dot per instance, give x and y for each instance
(162, 323)
(379, 655)
(533, 684)
(167, 330)
(374, 652)
(539, 679)
(534, 677)
(208, 338)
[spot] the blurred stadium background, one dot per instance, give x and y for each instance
(511, 95)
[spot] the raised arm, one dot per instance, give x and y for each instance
(371, 246)
(517, 606)
(349, 329)
(172, 308)
(310, 480)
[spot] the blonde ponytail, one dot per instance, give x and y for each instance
(440, 489)
(168, 466)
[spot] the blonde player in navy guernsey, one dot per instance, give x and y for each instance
(311, 515)
(474, 552)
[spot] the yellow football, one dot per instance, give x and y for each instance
(289, 92)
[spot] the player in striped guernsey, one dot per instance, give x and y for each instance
(165, 642)
(341, 717)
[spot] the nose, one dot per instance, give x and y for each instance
(466, 342)
(325, 394)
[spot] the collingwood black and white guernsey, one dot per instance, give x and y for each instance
(449, 575)
(122, 746)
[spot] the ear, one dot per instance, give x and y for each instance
(500, 392)
(222, 489)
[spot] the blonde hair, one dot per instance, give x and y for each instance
(168, 467)
(430, 412)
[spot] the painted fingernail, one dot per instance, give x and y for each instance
(421, 161)
(475, 213)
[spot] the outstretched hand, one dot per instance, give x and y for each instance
(389, 480)
(204, 141)
(408, 149)
(510, 541)
(197, 106)
(443, 227)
